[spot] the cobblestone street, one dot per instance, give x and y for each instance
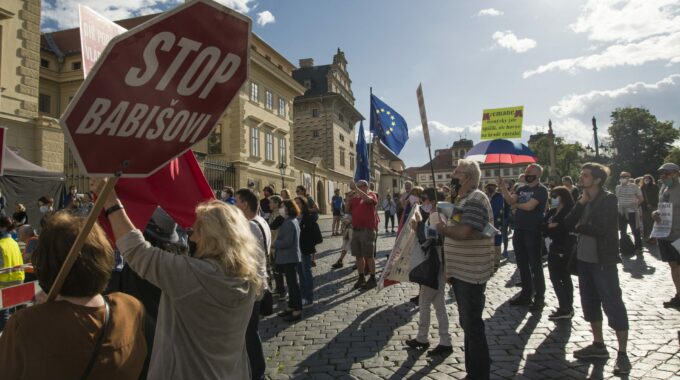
(360, 335)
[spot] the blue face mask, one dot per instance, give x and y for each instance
(668, 182)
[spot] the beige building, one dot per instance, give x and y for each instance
(388, 169)
(324, 133)
(33, 135)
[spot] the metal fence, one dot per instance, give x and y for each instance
(219, 174)
(72, 173)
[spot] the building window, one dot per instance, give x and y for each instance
(254, 142)
(351, 162)
(269, 100)
(76, 65)
(351, 144)
(315, 112)
(342, 138)
(448, 176)
(44, 103)
(282, 107)
(44, 63)
(394, 182)
(315, 133)
(269, 146)
(254, 91)
(282, 149)
(487, 173)
(342, 157)
(506, 171)
(308, 84)
(340, 117)
(439, 176)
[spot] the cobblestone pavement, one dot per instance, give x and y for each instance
(349, 334)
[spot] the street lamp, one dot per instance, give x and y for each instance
(282, 170)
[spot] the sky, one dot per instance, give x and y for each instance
(564, 60)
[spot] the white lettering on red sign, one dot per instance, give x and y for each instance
(126, 120)
(208, 58)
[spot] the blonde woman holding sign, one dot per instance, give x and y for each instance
(207, 297)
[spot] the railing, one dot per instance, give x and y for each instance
(219, 174)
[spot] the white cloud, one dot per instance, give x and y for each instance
(634, 32)
(573, 113)
(664, 48)
(628, 20)
(265, 17)
(509, 41)
(63, 14)
(490, 12)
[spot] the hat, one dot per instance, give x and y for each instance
(491, 183)
(669, 167)
(162, 227)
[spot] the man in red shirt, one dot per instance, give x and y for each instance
(365, 229)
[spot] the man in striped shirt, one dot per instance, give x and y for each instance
(630, 197)
(468, 261)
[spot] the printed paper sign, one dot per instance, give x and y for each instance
(663, 228)
(502, 123)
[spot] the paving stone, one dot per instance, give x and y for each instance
(349, 334)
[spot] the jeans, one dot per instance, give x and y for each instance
(527, 245)
(630, 219)
(561, 279)
(254, 344)
(470, 299)
(389, 217)
(306, 278)
(4, 317)
(435, 297)
(291, 274)
(599, 289)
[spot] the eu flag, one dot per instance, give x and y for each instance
(388, 125)
(362, 171)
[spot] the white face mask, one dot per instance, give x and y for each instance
(554, 202)
(427, 208)
(623, 181)
(648, 181)
(44, 209)
(282, 211)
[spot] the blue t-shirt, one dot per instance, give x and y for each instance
(531, 220)
(337, 202)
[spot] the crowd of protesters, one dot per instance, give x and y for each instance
(194, 297)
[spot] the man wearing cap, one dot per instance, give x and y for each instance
(362, 207)
(670, 193)
(629, 196)
(246, 201)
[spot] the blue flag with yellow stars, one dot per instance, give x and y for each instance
(388, 125)
(362, 171)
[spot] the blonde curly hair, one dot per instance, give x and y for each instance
(224, 235)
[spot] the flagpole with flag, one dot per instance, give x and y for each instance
(362, 171)
(388, 125)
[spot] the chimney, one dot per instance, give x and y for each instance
(306, 62)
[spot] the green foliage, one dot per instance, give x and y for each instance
(568, 157)
(641, 142)
(673, 156)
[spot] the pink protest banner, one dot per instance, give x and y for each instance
(95, 33)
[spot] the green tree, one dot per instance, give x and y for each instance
(641, 142)
(568, 157)
(673, 156)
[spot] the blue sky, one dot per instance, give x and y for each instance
(565, 60)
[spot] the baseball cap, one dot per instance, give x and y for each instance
(669, 167)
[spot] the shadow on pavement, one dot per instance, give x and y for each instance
(363, 339)
(551, 354)
(636, 266)
(509, 318)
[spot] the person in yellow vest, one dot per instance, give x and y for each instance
(10, 256)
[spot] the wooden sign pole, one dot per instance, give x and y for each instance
(80, 240)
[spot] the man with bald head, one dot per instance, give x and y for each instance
(365, 228)
(529, 203)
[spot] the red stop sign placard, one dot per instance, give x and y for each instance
(158, 89)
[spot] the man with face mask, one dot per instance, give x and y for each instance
(630, 197)
(529, 203)
(670, 193)
(497, 205)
